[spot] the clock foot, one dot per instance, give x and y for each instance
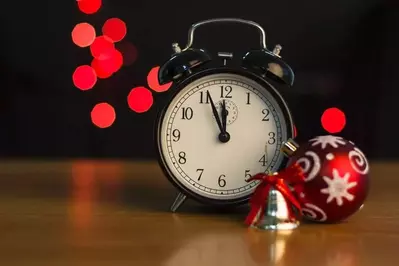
(180, 198)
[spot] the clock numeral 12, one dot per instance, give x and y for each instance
(225, 91)
(187, 113)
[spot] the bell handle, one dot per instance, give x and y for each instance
(193, 27)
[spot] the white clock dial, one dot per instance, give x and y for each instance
(189, 136)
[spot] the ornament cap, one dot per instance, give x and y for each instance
(289, 147)
(277, 213)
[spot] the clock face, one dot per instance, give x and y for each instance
(189, 141)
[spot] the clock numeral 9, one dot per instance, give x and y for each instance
(176, 135)
(263, 160)
(266, 112)
(272, 138)
(222, 181)
(225, 92)
(187, 113)
(182, 157)
(204, 97)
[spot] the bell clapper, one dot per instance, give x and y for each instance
(176, 48)
(277, 49)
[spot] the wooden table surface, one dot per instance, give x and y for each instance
(116, 213)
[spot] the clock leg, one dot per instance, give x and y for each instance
(180, 198)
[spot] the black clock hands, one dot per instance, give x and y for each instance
(224, 116)
(223, 136)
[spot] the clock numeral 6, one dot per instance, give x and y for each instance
(247, 175)
(187, 113)
(266, 112)
(225, 92)
(272, 138)
(182, 157)
(176, 135)
(222, 181)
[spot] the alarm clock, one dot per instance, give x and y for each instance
(222, 123)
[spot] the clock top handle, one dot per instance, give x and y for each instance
(193, 27)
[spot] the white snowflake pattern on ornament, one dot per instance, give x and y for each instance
(338, 187)
(328, 140)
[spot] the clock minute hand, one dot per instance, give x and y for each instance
(224, 116)
(215, 112)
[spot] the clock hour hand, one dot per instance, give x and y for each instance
(223, 136)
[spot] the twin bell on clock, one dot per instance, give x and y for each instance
(222, 124)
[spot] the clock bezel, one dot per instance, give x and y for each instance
(175, 89)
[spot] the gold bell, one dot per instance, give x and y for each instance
(277, 215)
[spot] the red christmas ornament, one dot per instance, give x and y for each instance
(336, 178)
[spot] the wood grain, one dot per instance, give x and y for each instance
(116, 213)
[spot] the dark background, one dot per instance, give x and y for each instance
(344, 54)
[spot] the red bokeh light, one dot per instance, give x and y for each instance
(333, 120)
(89, 6)
(83, 34)
(140, 99)
(84, 77)
(129, 52)
(295, 132)
(102, 47)
(103, 115)
(115, 29)
(101, 72)
(105, 66)
(152, 80)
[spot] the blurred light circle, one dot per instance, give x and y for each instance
(84, 77)
(83, 34)
(129, 52)
(333, 120)
(140, 99)
(89, 6)
(102, 46)
(103, 115)
(115, 29)
(152, 80)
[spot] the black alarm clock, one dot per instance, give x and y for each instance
(222, 124)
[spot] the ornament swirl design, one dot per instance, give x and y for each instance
(358, 161)
(313, 212)
(310, 167)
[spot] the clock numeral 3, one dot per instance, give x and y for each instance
(201, 171)
(266, 112)
(222, 181)
(187, 113)
(247, 175)
(263, 160)
(204, 97)
(176, 135)
(272, 138)
(182, 157)
(225, 91)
